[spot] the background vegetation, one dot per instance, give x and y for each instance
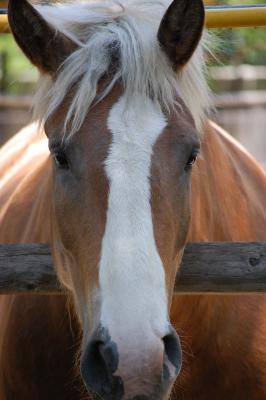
(242, 46)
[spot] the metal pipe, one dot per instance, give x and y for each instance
(4, 27)
(216, 17)
(236, 16)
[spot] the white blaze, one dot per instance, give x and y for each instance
(132, 278)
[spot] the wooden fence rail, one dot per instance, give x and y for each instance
(218, 267)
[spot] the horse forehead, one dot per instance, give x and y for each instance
(144, 114)
(138, 121)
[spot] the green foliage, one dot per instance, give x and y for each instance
(242, 46)
(15, 70)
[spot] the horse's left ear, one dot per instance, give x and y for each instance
(42, 44)
(181, 29)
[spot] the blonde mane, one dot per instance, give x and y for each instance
(126, 29)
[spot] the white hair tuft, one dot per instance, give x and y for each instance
(126, 29)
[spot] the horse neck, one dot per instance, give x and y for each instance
(228, 192)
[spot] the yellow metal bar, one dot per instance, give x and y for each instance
(235, 17)
(4, 28)
(216, 17)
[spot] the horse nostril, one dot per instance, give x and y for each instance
(109, 356)
(173, 350)
(98, 364)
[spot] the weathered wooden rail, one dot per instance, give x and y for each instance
(218, 267)
(216, 17)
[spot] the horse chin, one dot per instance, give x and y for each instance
(159, 394)
(162, 393)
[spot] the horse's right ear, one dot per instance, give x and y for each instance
(180, 30)
(45, 47)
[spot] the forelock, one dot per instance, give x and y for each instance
(128, 30)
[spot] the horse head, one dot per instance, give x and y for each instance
(122, 143)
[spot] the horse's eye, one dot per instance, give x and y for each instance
(191, 161)
(60, 159)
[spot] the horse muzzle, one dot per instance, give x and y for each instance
(113, 374)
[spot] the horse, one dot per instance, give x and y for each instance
(120, 170)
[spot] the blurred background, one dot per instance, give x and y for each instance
(237, 77)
